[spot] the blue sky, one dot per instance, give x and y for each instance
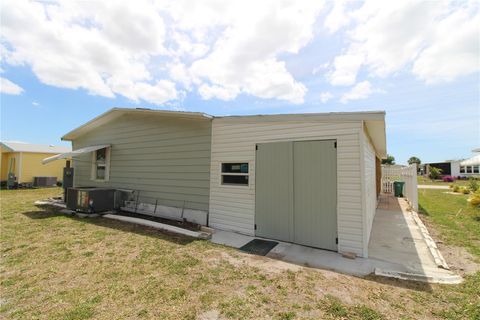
(62, 66)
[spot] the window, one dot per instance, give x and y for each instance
(235, 173)
(462, 169)
(100, 168)
(476, 169)
(469, 169)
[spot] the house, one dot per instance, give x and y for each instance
(470, 167)
(24, 160)
(448, 167)
(457, 168)
(311, 179)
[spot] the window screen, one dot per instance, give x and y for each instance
(100, 164)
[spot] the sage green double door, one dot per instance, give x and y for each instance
(296, 192)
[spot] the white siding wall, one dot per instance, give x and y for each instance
(233, 207)
(370, 192)
(455, 168)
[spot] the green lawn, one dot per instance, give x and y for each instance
(457, 222)
(59, 267)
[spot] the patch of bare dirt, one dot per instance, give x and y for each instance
(458, 258)
(263, 263)
(210, 315)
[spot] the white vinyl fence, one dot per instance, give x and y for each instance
(390, 174)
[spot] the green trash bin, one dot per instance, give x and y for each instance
(398, 188)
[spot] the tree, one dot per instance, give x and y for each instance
(434, 173)
(390, 160)
(413, 160)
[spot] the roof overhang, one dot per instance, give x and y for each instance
(473, 161)
(326, 116)
(377, 132)
(115, 113)
(71, 154)
(5, 147)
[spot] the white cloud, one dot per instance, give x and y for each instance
(435, 40)
(244, 59)
(223, 93)
(325, 96)
(337, 18)
(361, 90)
(450, 57)
(133, 48)
(35, 104)
(8, 87)
(345, 69)
(321, 67)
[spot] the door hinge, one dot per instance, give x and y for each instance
(336, 240)
(255, 227)
(335, 145)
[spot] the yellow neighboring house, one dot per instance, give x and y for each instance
(25, 161)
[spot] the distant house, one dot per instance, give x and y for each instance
(24, 160)
(471, 166)
(458, 168)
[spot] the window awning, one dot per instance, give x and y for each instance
(474, 161)
(74, 153)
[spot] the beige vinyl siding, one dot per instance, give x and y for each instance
(370, 184)
(233, 207)
(164, 158)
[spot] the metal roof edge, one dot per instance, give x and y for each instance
(85, 127)
(345, 116)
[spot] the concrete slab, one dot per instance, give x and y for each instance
(324, 259)
(429, 186)
(158, 225)
(397, 249)
(305, 256)
(230, 239)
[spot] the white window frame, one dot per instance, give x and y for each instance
(463, 169)
(234, 185)
(477, 168)
(94, 166)
(469, 168)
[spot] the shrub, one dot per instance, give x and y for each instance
(448, 179)
(456, 188)
(434, 173)
(473, 185)
(465, 190)
(474, 199)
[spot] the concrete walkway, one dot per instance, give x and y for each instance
(400, 238)
(430, 186)
(397, 249)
